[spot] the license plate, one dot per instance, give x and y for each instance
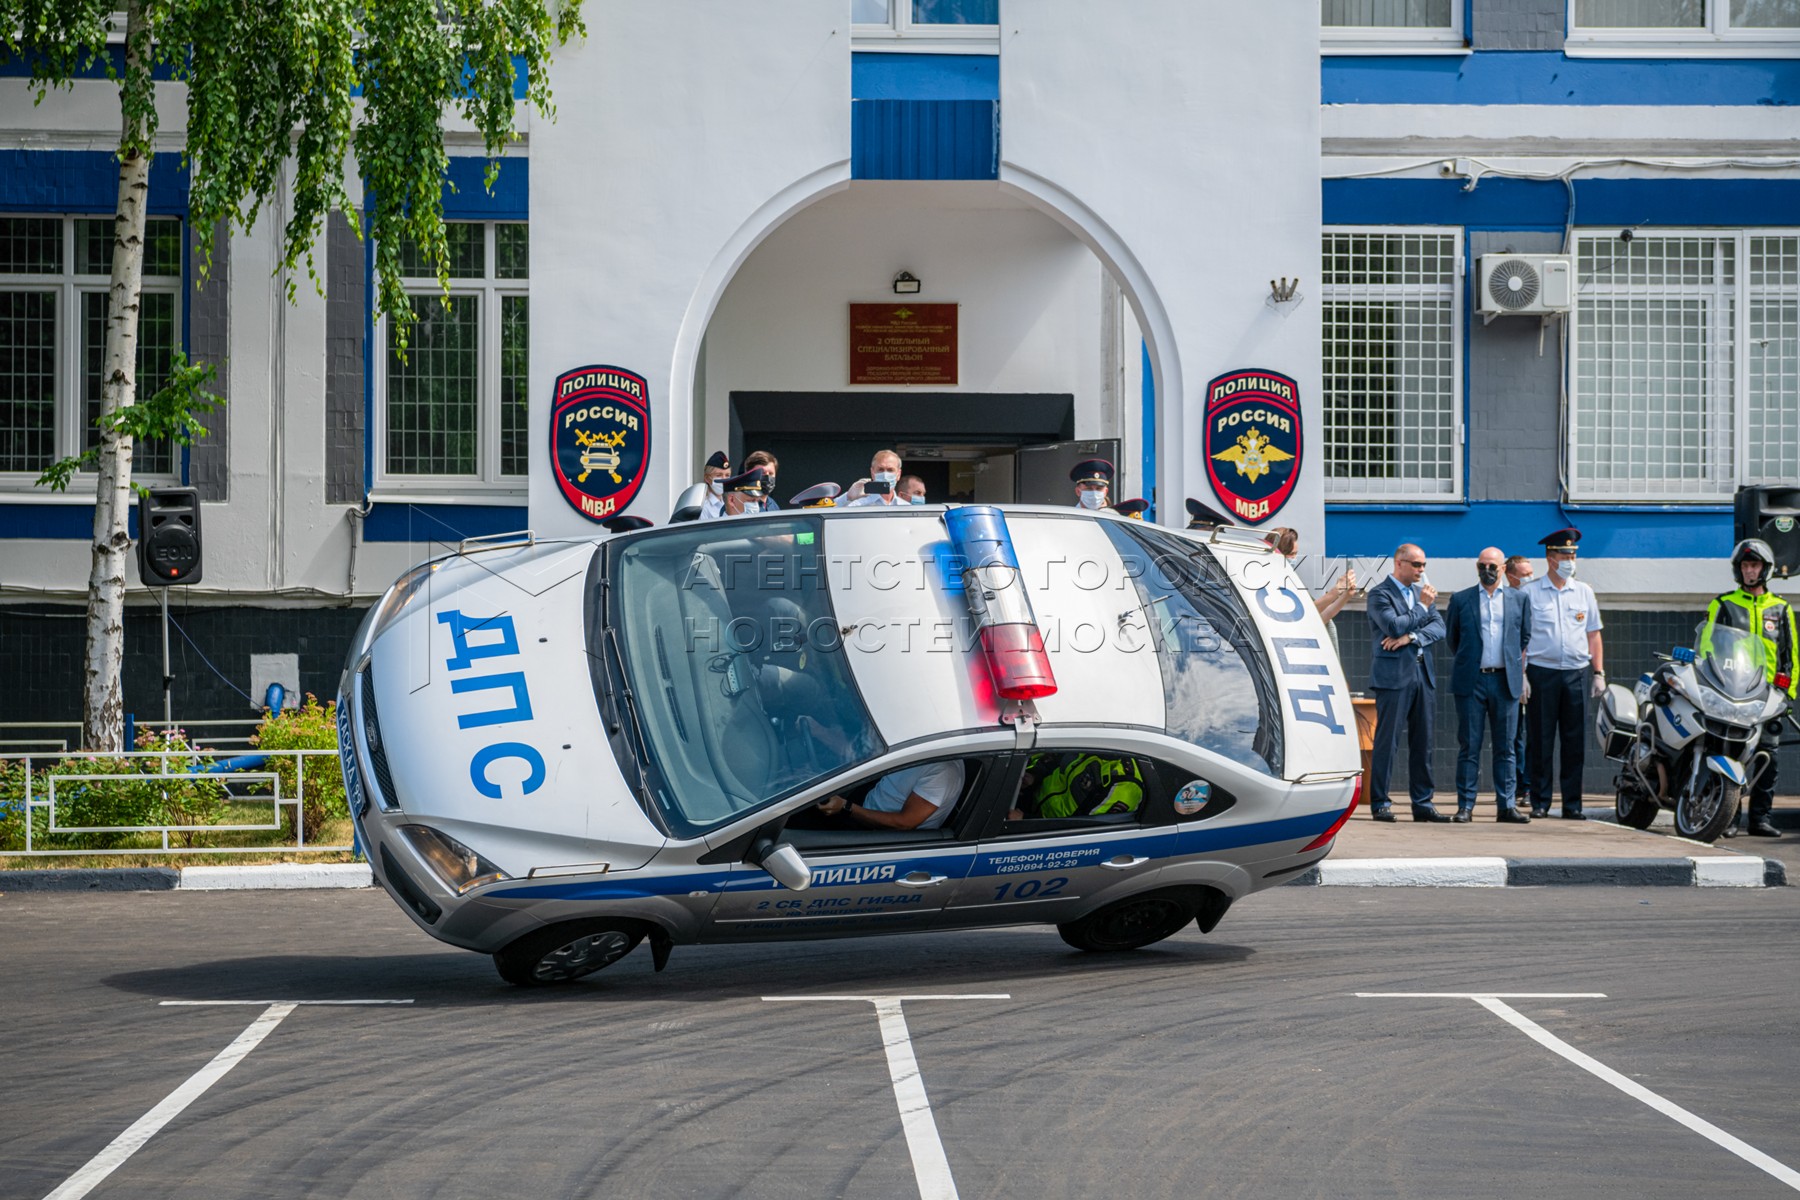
(353, 790)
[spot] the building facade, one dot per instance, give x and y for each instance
(1119, 205)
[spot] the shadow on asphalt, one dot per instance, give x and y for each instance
(887, 965)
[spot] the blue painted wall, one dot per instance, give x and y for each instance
(1463, 531)
(1544, 204)
(1552, 77)
(924, 77)
(84, 181)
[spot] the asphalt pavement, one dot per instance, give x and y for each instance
(1651, 1054)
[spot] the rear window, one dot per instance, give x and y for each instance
(1219, 691)
(734, 670)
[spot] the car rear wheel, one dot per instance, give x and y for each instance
(564, 953)
(1129, 924)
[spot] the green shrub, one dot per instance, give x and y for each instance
(312, 726)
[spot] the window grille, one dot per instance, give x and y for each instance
(1386, 14)
(1392, 391)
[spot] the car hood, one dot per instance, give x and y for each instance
(488, 717)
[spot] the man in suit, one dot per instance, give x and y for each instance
(1487, 634)
(1405, 625)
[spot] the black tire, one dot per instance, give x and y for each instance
(1705, 812)
(1634, 808)
(564, 953)
(1131, 923)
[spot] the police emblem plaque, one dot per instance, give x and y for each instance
(1252, 441)
(599, 438)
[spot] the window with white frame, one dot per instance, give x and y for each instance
(55, 272)
(1376, 26)
(1736, 27)
(1392, 391)
(453, 404)
(936, 26)
(1660, 409)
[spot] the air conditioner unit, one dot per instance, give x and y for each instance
(1523, 284)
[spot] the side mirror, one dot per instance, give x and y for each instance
(689, 503)
(787, 867)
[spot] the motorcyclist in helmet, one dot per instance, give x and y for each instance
(1753, 609)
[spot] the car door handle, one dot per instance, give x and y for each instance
(921, 879)
(1124, 862)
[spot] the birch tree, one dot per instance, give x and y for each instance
(282, 96)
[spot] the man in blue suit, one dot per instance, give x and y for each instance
(1405, 625)
(1488, 633)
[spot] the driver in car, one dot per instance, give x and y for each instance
(918, 797)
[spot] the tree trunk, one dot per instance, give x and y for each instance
(103, 701)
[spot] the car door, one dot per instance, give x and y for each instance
(1038, 869)
(863, 880)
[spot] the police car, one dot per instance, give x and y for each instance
(840, 722)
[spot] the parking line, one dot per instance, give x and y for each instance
(1495, 1002)
(145, 1127)
(930, 1167)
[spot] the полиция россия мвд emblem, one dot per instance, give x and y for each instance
(599, 438)
(1253, 441)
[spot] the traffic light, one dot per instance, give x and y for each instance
(169, 537)
(1773, 514)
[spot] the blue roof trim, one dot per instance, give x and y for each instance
(1531, 204)
(57, 522)
(421, 523)
(1552, 77)
(470, 200)
(1515, 526)
(85, 181)
(924, 76)
(925, 139)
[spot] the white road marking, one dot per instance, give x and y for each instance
(145, 1127)
(128, 1143)
(930, 1167)
(1493, 1002)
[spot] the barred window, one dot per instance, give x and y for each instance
(454, 399)
(55, 272)
(1660, 410)
(1392, 391)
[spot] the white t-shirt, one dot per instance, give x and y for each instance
(869, 498)
(939, 782)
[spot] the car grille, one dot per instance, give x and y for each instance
(385, 796)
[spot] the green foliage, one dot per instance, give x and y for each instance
(312, 726)
(171, 414)
(274, 83)
(128, 794)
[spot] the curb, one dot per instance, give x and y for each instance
(1740, 871)
(205, 879)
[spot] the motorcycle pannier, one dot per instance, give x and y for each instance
(1615, 725)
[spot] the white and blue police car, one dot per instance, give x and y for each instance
(837, 722)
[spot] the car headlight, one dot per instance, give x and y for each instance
(398, 597)
(457, 866)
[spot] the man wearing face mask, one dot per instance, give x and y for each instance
(1092, 478)
(1487, 634)
(882, 485)
(714, 475)
(1564, 642)
(1518, 574)
(911, 490)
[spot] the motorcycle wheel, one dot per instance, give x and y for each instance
(1703, 813)
(1634, 808)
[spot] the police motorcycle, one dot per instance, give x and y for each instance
(1686, 735)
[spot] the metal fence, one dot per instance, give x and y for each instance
(46, 736)
(168, 801)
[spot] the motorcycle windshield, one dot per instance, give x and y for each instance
(1733, 661)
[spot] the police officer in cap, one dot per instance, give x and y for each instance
(625, 524)
(819, 495)
(1202, 517)
(1752, 609)
(1134, 509)
(1092, 478)
(714, 474)
(744, 493)
(1564, 643)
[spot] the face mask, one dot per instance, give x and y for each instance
(1092, 499)
(769, 483)
(1490, 574)
(1565, 570)
(885, 476)
(717, 486)
(916, 500)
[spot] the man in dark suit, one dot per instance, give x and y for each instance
(1405, 625)
(1487, 634)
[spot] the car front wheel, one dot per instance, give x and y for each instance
(564, 953)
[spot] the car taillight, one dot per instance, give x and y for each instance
(1324, 839)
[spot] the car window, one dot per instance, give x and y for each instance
(1087, 789)
(734, 672)
(953, 785)
(1219, 691)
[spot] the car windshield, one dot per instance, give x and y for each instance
(1219, 691)
(1732, 660)
(733, 669)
